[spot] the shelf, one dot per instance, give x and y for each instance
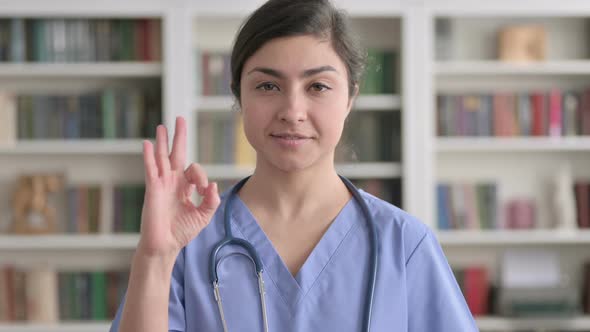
(233, 8)
(73, 147)
(107, 69)
(566, 67)
(69, 242)
(512, 144)
(59, 327)
(581, 323)
(513, 237)
(227, 172)
(383, 102)
(376, 170)
(214, 103)
(378, 103)
(351, 170)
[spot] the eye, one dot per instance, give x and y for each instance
(319, 87)
(267, 86)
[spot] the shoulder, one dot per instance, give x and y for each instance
(397, 227)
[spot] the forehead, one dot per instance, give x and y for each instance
(293, 54)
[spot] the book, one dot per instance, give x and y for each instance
(8, 119)
(582, 193)
(475, 285)
(42, 305)
(476, 291)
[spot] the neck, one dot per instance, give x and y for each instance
(290, 196)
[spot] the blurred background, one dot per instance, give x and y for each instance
(473, 116)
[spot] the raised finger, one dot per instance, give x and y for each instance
(211, 199)
(162, 151)
(149, 161)
(178, 155)
(195, 174)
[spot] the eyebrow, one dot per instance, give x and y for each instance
(306, 73)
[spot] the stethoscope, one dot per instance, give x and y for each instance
(230, 239)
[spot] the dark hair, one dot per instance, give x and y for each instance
(286, 18)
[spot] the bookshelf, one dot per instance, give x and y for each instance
(65, 327)
(70, 242)
(73, 147)
(385, 102)
(423, 159)
(501, 239)
(464, 64)
(544, 324)
(494, 68)
(71, 69)
(87, 70)
(507, 145)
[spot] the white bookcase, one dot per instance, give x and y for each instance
(521, 165)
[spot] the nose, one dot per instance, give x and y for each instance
(294, 108)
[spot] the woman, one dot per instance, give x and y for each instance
(295, 74)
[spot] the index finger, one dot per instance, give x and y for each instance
(178, 155)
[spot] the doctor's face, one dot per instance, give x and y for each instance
(294, 99)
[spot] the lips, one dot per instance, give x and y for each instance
(290, 136)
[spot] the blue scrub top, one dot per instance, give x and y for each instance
(415, 289)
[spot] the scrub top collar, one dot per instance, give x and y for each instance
(293, 289)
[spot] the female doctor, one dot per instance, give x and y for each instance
(295, 73)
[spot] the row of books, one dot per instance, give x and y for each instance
(215, 73)
(389, 190)
(221, 139)
(79, 210)
(467, 206)
(83, 209)
(367, 136)
(485, 298)
(90, 295)
(44, 295)
(381, 74)
(84, 206)
(371, 136)
(80, 40)
(553, 113)
(128, 205)
(110, 113)
(476, 206)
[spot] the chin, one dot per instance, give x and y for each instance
(295, 163)
(289, 166)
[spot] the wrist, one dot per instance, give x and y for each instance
(150, 262)
(148, 252)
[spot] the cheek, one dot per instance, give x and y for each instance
(333, 124)
(254, 121)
